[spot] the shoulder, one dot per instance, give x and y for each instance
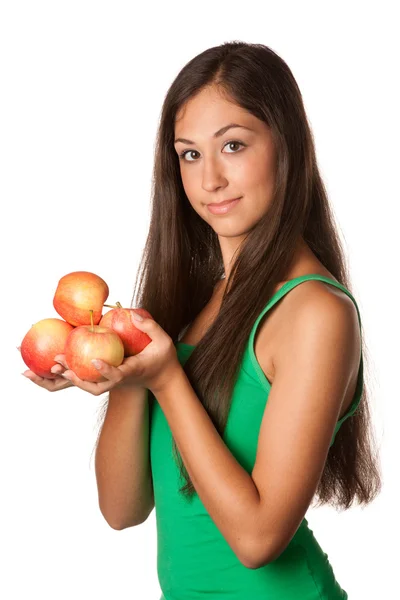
(324, 301)
(313, 295)
(319, 316)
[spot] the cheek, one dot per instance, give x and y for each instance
(258, 175)
(255, 170)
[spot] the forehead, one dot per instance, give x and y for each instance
(209, 110)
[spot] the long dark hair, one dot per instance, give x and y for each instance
(182, 262)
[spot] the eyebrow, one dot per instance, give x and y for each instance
(217, 134)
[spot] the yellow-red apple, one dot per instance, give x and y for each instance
(120, 320)
(77, 293)
(87, 342)
(42, 343)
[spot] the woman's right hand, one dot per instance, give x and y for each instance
(113, 377)
(52, 385)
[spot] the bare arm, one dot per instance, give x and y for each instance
(122, 463)
(122, 460)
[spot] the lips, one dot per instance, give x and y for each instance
(224, 207)
(223, 203)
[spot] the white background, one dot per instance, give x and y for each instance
(82, 85)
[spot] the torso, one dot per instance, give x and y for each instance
(267, 338)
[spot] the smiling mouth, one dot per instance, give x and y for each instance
(224, 207)
(224, 202)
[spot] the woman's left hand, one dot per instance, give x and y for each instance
(153, 368)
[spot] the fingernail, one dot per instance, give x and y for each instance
(96, 363)
(65, 376)
(136, 316)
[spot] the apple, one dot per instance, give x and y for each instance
(77, 293)
(119, 319)
(92, 341)
(42, 343)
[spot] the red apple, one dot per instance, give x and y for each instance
(87, 342)
(77, 293)
(120, 320)
(42, 343)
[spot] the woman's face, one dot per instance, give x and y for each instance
(240, 162)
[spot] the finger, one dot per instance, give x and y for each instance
(33, 377)
(57, 384)
(88, 386)
(19, 348)
(57, 369)
(112, 374)
(60, 358)
(51, 385)
(131, 367)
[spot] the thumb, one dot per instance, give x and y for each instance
(136, 317)
(147, 325)
(141, 322)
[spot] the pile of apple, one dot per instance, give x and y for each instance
(83, 333)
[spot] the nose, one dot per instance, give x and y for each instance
(213, 176)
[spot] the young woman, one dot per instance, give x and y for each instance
(249, 402)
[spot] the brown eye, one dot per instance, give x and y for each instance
(182, 156)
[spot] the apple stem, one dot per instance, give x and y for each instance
(116, 305)
(91, 319)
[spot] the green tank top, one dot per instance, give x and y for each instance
(193, 558)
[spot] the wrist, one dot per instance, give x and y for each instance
(124, 388)
(169, 380)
